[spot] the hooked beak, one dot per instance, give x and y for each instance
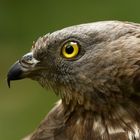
(22, 68)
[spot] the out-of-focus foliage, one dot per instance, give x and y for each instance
(22, 21)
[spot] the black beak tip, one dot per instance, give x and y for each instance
(15, 73)
(8, 82)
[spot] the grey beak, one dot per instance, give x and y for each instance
(22, 68)
(14, 73)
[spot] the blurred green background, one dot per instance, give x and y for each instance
(24, 105)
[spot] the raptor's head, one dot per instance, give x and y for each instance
(94, 62)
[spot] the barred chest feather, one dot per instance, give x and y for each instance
(81, 124)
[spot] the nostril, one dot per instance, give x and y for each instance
(27, 59)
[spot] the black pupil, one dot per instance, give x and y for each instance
(69, 49)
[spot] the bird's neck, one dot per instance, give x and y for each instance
(106, 115)
(76, 101)
(113, 120)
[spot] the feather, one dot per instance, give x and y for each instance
(99, 87)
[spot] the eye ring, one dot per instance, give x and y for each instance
(70, 49)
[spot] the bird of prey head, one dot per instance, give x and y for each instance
(95, 69)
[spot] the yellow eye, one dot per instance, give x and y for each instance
(70, 50)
